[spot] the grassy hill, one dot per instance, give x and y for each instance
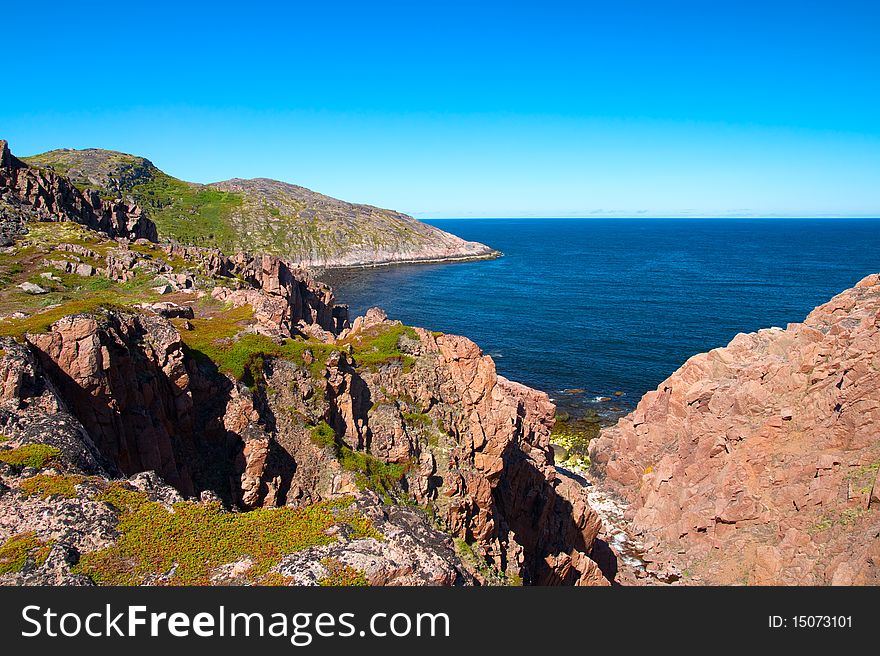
(261, 215)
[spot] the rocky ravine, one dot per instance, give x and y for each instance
(759, 462)
(150, 390)
(262, 215)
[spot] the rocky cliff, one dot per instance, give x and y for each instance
(261, 215)
(152, 390)
(759, 462)
(28, 192)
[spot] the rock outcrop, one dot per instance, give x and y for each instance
(286, 299)
(127, 383)
(28, 192)
(759, 462)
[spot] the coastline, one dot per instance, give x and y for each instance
(452, 259)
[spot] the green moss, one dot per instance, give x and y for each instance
(41, 322)
(30, 455)
(340, 574)
(418, 419)
(323, 435)
(15, 551)
(371, 473)
(195, 539)
(214, 339)
(44, 485)
(374, 474)
(275, 579)
(381, 345)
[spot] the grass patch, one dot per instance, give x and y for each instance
(380, 345)
(52, 234)
(45, 486)
(340, 574)
(30, 455)
(15, 551)
(41, 322)
(195, 538)
(242, 358)
(372, 473)
(191, 214)
(9, 271)
(418, 419)
(323, 435)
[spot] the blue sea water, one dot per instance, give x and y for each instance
(616, 305)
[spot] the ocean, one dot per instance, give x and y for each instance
(591, 308)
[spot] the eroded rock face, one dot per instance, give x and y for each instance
(478, 453)
(27, 193)
(126, 381)
(757, 463)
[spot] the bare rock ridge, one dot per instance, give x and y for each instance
(262, 215)
(232, 388)
(28, 191)
(759, 462)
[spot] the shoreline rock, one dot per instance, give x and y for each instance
(755, 463)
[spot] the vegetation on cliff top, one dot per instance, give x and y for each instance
(65, 294)
(185, 545)
(30, 455)
(380, 345)
(191, 214)
(48, 485)
(340, 574)
(218, 339)
(14, 553)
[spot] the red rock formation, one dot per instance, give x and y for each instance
(51, 197)
(126, 381)
(757, 463)
(490, 475)
(478, 454)
(286, 300)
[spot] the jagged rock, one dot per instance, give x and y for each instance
(756, 462)
(284, 298)
(118, 394)
(47, 196)
(126, 381)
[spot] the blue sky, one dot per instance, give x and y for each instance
(451, 110)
